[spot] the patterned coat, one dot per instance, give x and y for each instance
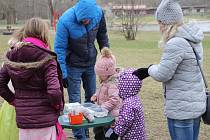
(130, 125)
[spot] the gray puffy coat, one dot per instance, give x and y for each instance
(178, 70)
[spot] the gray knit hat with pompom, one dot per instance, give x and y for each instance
(169, 12)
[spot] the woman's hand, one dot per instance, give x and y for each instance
(141, 73)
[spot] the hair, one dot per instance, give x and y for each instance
(34, 27)
(168, 32)
(18, 35)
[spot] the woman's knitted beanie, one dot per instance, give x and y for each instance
(169, 12)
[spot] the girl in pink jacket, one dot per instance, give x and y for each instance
(107, 94)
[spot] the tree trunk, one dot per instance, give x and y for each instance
(11, 16)
(129, 19)
(51, 11)
(10, 12)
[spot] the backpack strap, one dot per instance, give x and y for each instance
(197, 56)
(61, 135)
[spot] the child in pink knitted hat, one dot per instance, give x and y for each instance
(107, 94)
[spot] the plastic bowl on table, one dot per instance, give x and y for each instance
(99, 112)
(65, 118)
(89, 105)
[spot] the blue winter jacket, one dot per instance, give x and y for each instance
(74, 42)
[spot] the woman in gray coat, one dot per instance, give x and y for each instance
(184, 91)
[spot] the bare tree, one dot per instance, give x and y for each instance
(8, 6)
(131, 12)
(11, 12)
(57, 8)
(52, 10)
(2, 9)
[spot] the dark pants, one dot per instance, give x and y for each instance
(100, 133)
(88, 78)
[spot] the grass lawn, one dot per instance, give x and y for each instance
(141, 53)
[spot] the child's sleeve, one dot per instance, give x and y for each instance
(125, 120)
(54, 92)
(5, 92)
(97, 92)
(113, 98)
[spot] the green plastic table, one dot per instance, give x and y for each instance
(108, 120)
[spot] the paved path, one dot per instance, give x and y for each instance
(204, 25)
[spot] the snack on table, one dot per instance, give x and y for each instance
(74, 111)
(88, 114)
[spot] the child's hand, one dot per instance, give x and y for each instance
(112, 125)
(93, 98)
(111, 134)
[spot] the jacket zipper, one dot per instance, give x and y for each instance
(87, 41)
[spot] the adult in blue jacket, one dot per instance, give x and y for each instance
(77, 30)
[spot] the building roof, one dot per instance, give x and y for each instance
(129, 7)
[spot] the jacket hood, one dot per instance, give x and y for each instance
(86, 9)
(191, 32)
(23, 70)
(129, 85)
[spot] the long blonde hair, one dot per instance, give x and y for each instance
(168, 32)
(34, 27)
